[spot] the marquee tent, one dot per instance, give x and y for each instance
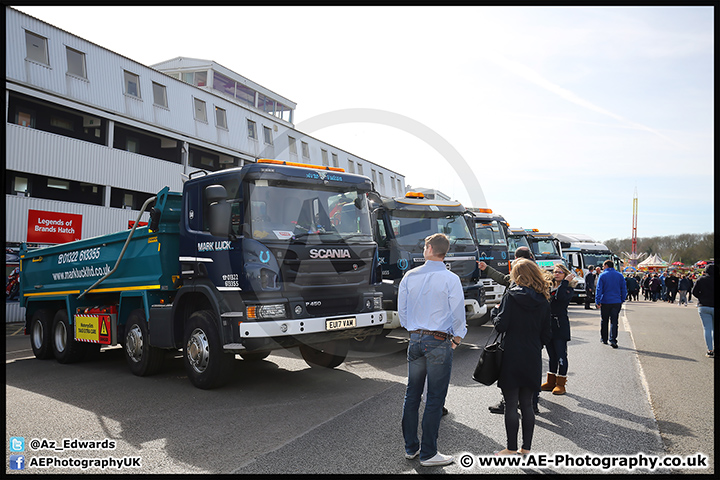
(653, 261)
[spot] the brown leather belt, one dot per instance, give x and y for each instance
(435, 334)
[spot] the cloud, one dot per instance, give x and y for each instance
(534, 77)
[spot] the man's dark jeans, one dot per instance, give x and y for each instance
(609, 312)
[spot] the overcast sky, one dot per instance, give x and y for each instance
(561, 112)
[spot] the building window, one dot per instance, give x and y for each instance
(25, 117)
(374, 175)
(267, 132)
(305, 150)
(198, 79)
(382, 181)
(351, 166)
(266, 104)
(360, 169)
(221, 117)
(200, 113)
(159, 95)
(392, 185)
(324, 158)
(283, 112)
(292, 145)
(208, 161)
(36, 47)
(223, 84)
(252, 130)
(63, 123)
(132, 145)
(245, 94)
(59, 184)
(20, 185)
(76, 63)
(132, 84)
(336, 162)
(38, 186)
(399, 186)
(128, 199)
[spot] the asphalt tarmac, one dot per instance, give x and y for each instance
(651, 398)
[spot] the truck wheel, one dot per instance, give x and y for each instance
(142, 358)
(206, 364)
(64, 346)
(327, 355)
(40, 334)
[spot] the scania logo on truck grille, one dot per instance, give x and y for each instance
(329, 253)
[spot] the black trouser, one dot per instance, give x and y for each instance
(589, 298)
(524, 396)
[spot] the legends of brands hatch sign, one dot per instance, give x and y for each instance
(53, 227)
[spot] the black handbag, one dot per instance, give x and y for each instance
(487, 370)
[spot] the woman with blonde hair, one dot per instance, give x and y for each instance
(560, 297)
(524, 316)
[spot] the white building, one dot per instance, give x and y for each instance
(92, 133)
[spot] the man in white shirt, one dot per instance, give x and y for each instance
(431, 307)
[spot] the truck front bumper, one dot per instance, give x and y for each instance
(305, 326)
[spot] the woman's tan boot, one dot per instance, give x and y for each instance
(559, 385)
(550, 384)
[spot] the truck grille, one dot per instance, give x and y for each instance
(308, 273)
(332, 306)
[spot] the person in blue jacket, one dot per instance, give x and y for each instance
(610, 294)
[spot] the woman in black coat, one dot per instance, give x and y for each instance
(560, 297)
(524, 316)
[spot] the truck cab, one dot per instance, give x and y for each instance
(546, 249)
(401, 226)
(490, 232)
(517, 237)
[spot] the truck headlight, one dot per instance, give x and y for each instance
(266, 311)
(377, 303)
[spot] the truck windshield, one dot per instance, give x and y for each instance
(411, 228)
(545, 249)
(596, 258)
(280, 210)
(490, 233)
(515, 242)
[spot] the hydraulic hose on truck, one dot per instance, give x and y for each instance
(122, 252)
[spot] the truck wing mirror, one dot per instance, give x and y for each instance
(374, 197)
(218, 210)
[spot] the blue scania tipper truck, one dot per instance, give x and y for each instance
(244, 261)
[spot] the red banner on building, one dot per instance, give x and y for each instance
(53, 227)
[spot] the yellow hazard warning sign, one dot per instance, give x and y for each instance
(93, 328)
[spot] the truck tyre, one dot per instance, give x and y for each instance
(206, 364)
(326, 355)
(64, 346)
(142, 358)
(41, 334)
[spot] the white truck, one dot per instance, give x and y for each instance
(581, 251)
